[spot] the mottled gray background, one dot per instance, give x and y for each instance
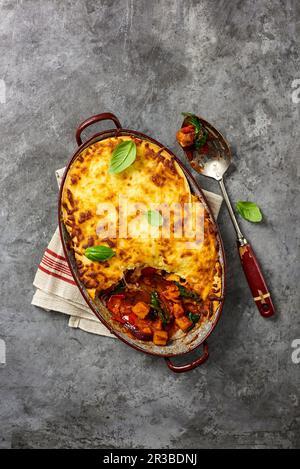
(231, 61)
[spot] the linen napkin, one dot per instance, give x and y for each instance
(56, 289)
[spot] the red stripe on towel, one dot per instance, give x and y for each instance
(62, 264)
(56, 265)
(54, 274)
(54, 254)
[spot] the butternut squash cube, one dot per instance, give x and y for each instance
(160, 337)
(157, 324)
(184, 323)
(178, 310)
(147, 330)
(171, 293)
(141, 309)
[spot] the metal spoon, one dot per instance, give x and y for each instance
(213, 160)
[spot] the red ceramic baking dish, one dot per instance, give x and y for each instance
(195, 338)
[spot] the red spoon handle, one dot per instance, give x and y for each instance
(256, 281)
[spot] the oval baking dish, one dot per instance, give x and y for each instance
(197, 336)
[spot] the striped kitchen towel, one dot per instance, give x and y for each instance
(56, 289)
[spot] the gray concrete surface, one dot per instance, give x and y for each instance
(234, 62)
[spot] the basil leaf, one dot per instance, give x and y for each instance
(201, 139)
(99, 253)
(122, 157)
(249, 210)
(185, 293)
(157, 307)
(193, 120)
(154, 218)
(193, 317)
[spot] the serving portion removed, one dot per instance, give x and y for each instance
(144, 245)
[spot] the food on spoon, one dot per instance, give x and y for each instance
(192, 133)
(186, 136)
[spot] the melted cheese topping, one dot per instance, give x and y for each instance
(154, 178)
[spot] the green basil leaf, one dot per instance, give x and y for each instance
(158, 308)
(99, 253)
(154, 218)
(122, 157)
(185, 293)
(193, 120)
(201, 139)
(249, 210)
(193, 317)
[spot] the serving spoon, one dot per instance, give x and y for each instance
(212, 160)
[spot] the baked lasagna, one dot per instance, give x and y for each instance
(162, 275)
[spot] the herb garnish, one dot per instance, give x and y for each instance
(99, 253)
(156, 305)
(201, 133)
(122, 157)
(154, 218)
(193, 317)
(185, 293)
(249, 210)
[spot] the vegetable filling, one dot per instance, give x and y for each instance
(154, 305)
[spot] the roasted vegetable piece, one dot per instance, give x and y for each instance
(146, 330)
(186, 136)
(171, 293)
(114, 303)
(183, 323)
(138, 333)
(178, 310)
(157, 325)
(141, 309)
(130, 318)
(160, 337)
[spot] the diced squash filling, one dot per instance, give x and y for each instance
(141, 309)
(184, 323)
(153, 307)
(160, 337)
(178, 310)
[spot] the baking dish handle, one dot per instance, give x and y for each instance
(190, 366)
(92, 120)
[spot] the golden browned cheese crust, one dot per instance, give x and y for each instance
(154, 178)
